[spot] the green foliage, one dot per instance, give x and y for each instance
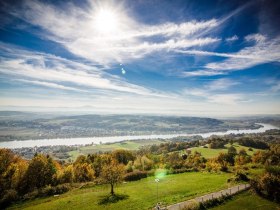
(54, 190)
(83, 171)
(216, 143)
(67, 175)
(214, 202)
(123, 156)
(113, 173)
(9, 197)
(253, 143)
(239, 176)
(12, 171)
(41, 171)
(268, 184)
(143, 163)
(135, 175)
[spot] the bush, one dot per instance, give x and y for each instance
(136, 175)
(59, 189)
(192, 205)
(239, 176)
(182, 170)
(268, 186)
(214, 202)
(9, 197)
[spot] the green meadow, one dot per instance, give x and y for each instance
(248, 201)
(129, 145)
(210, 153)
(142, 194)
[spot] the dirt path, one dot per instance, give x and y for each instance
(229, 191)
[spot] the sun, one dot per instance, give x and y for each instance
(106, 21)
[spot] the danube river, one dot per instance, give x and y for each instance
(97, 140)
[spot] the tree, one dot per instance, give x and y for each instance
(40, 172)
(12, 170)
(143, 163)
(113, 173)
(232, 152)
(222, 159)
(83, 170)
(123, 156)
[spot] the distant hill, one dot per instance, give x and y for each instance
(25, 125)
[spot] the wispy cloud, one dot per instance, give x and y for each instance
(49, 70)
(215, 92)
(74, 28)
(221, 84)
(49, 84)
(255, 37)
(233, 38)
(262, 51)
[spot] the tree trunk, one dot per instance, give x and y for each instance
(112, 189)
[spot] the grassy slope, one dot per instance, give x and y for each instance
(248, 201)
(142, 194)
(129, 145)
(210, 153)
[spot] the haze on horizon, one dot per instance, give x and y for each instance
(202, 58)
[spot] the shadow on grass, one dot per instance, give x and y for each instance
(107, 199)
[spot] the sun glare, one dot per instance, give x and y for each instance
(106, 21)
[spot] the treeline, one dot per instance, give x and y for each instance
(22, 179)
(253, 143)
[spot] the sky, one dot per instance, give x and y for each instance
(191, 58)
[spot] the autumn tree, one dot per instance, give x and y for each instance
(112, 173)
(123, 156)
(41, 171)
(12, 170)
(222, 159)
(83, 171)
(143, 163)
(67, 175)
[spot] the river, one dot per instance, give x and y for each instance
(97, 140)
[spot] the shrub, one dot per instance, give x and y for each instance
(136, 175)
(9, 197)
(192, 205)
(59, 189)
(182, 170)
(239, 176)
(268, 186)
(214, 202)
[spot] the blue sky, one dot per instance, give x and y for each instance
(200, 58)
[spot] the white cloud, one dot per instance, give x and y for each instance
(198, 73)
(51, 70)
(232, 39)
(263, 51)
(50, 85)
(221, 84)
(76, 30)
(214, 92)
(255, 37)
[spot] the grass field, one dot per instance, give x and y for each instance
(248, 201)
(210, 153)
(142, 194)
(129, 145)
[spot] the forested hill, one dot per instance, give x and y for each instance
(24, 125)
